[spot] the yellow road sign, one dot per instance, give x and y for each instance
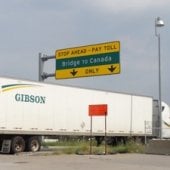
(88, 50)
(88, 71)
(91, 60)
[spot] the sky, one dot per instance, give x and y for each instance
(28, 27)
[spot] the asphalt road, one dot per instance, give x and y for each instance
(41, 161)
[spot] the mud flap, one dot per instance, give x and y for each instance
(6, 146)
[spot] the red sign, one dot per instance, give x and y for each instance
(98, 110)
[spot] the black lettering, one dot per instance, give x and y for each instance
(17, 97)
(26, 99)
(30, 98)
(42, 99)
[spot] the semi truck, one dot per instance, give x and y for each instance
(30, 110)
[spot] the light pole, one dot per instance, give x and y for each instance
(159, 23)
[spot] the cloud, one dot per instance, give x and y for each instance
(33, 26)
(126, 5)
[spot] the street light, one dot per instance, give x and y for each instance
(159, 23)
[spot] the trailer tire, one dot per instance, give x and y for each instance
(18, 144)
(33, 144)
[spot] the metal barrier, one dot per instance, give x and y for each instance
(153, 130)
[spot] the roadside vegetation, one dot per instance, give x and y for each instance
(78, 146)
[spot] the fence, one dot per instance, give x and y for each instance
(153, 130)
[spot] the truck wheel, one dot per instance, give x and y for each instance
(18, 144)
(34, 144)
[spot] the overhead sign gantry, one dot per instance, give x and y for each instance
(90, 60)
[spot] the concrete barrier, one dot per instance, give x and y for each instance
(158, 146)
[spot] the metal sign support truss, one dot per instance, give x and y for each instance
(43, 75)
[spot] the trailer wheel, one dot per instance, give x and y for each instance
(18, 144)
(34, 144)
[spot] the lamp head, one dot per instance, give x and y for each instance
(159, 22)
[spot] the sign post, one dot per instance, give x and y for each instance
(85, 61)
(97, 110)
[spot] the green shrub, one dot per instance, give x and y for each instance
(83, 147)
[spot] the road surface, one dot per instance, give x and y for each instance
(43, 161)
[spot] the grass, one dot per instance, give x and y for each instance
(82, 147)
(130, 147)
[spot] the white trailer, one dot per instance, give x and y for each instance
(29, 110)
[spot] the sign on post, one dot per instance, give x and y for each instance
(91, 60)
(97, 110)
